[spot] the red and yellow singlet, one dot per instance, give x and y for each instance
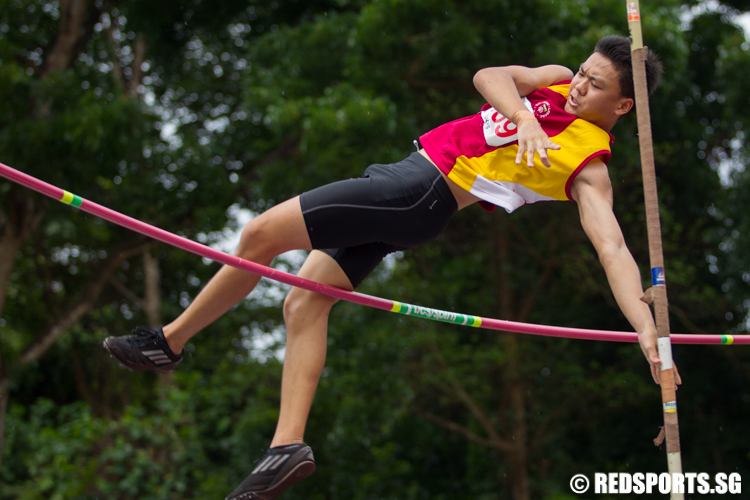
(478, 152)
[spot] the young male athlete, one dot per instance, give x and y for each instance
(353, 224)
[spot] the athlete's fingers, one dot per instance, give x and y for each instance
(677, 378)
(543, 157)
(648, 346)
(532, 140)
(521, 151)
(652, 355)
(655, 363)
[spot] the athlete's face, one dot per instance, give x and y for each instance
(595, 93)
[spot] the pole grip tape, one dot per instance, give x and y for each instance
(665, 352)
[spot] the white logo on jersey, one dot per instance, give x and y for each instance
(499, 130)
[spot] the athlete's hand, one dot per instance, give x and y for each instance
(647, 340)
(532, 140)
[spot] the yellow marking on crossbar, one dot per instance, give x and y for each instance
(67, 198)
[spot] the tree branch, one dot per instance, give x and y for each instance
(86, 302)
(682, 316)
(288, 147)
(527, 304)
(63, 53)
(474, 408)
(523, 238)
(458, 390)
(125, 291)
(460, 429)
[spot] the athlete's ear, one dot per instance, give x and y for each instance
(624, 106)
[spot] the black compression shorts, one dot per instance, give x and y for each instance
(390, 208)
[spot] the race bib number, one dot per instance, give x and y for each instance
(499, 130)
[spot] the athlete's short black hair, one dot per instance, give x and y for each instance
(617, 49)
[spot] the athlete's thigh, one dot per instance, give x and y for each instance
(279, 229)
(323, 268)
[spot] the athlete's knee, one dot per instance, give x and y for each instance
(257, 240)
(302, 306)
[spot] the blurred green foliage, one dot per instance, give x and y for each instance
(244, 104)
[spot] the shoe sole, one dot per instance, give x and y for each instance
(297, 474)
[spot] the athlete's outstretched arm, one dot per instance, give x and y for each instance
(592, 190)
(503, 87)
(494, 83)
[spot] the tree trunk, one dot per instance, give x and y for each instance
(151, 297)
(4, 393)
(86, 301)
(152, 303)
(515, 442)
(64, 320)
(518, 455)
(77, 21)
(139, 56)
(82, 381)
(64, 50)
(24, 215)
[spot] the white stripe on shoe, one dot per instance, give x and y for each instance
(268, 464)
(283, 459)
(262, 463)
(271, 462)
(158, 357)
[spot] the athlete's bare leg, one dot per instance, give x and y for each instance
(306, 318)
(276, 231)
(280, 229)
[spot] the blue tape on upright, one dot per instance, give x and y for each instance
(657, 276)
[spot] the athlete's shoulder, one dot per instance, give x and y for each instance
(592, 179)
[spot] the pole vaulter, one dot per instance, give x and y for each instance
(339, 293)
(657, 294)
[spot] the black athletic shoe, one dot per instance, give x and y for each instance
(147, 350)
(279, 468)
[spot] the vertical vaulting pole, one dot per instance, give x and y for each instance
(659, 288)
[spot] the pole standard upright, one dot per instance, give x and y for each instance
(658, 292)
